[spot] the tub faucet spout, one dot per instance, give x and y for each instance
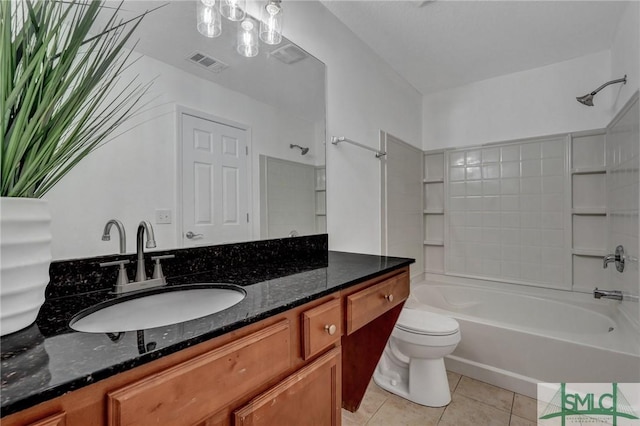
(607, 294)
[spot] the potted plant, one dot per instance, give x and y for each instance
(63, 92)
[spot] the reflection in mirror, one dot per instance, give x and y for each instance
(217, 151)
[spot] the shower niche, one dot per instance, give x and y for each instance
(434, 208)
(588, 209)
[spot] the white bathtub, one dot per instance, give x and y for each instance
(516, 339)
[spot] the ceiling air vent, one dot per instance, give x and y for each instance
(289, 53)
(211, 64)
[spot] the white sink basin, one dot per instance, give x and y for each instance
(156, 308)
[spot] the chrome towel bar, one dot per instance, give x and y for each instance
(337, 139)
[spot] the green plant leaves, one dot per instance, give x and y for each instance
(61, 91)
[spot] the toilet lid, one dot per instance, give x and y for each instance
(425, 322)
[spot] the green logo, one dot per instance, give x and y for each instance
(581, 407)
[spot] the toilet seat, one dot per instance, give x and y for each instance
(426, 323)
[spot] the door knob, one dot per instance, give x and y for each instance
(190, 235)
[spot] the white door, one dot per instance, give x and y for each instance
(214, 183)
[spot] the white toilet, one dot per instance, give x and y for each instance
(412, 365)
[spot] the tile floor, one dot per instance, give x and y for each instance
(473, 403)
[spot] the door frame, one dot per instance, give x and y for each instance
(181, 110)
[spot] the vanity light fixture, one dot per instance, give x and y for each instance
(271, 18)
(248, 38)
(233, 10)
(209, 22)
(270, 30)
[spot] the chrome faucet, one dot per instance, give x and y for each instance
(608, 294)
(141, 275)
(141, 282)
(106, 234)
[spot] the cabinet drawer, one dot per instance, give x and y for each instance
(59, 419)
(368, 304)
(311, 396)
(321, 328)
(192, 390)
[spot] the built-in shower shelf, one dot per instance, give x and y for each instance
(433, 208)
(593, 211)
(588, 170)
(589, 252)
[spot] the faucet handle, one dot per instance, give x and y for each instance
(164, 256)
(618, 258)
(123, 278)
(157, 268)
(115, 262)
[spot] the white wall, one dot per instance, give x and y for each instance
(536, 102)
(539, 101)
(625, 56)
(364, 95)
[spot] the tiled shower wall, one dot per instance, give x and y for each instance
(539, 211)
(507, 213)
(623, 191)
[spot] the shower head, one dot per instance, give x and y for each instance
(304, 150)
(588, 98)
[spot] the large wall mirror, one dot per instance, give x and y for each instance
(227, 149)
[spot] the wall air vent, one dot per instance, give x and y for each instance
(207, 62)
(289, 54)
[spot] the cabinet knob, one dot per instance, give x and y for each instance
(331, 329)
(389, 297)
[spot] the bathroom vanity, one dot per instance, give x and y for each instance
(301, 345)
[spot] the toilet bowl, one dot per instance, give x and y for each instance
(412, 364)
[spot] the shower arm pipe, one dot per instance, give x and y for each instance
(337, 139)
(619, 80)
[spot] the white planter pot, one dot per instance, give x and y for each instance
(25, 256)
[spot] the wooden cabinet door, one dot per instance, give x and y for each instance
(189, 392)
(310, 397)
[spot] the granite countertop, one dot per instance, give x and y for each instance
(49, 359)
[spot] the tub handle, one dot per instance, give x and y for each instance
(389, 297)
